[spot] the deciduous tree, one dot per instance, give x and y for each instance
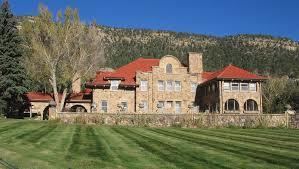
(61, 50)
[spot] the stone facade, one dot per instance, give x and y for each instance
(212, 97)
(178, 98)
(167, 86)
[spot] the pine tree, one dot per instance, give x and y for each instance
(12, 74)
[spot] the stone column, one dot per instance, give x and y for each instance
(220, 97)
(52, 110)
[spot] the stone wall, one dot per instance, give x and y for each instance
(114, 98)
(178, 120)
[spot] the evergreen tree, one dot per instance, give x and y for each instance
(12, 74)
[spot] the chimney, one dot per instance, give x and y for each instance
(195, 63)
(76, 84)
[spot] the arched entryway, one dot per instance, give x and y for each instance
(250, 105)
(231, 105)
(78, 108)
(46, 113)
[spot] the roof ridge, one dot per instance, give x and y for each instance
(224, 69)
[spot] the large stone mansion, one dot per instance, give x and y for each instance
(164, 86)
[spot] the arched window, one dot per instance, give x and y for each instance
(250, 105)
(168, 68)
(231, 105)
(78, 108)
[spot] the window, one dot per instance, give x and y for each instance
(168, 105)
(124, 106)
(169, 86)
(168, 68)
(160, 104)
(160, 85)
(177, 86)
(193, 87)
(244, 86)
(178, 106)
(252, 86)
(104, 106)
(143, 85)
(235, 86)
(226, 86)
(114, 84)
(231, 105)
(250, 105)
(145, 106)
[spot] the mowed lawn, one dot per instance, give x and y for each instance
(35, 144)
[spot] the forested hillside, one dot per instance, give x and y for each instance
(262, 54)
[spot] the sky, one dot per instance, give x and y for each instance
(279, 18)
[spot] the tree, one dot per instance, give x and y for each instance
(61, 51)
(277, 93)
(12, 76)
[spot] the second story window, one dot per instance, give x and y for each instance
(169, 86)
(143, 85)
(244, 86)
(193, 87)
(226, 86)
(114, 84)
(177, 86)
(252, 86)
(169, 68)
(160, 85)
(235, 86)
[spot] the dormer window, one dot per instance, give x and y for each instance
(114, 84)
(169, 68)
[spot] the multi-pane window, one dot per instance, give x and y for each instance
(178, 106)
(168, 68)
(231, 105)
(145, 106)
(169, 86)
(244, 86)
(250, 105)
(235, 86)
(124, 106)
(114, 84)
(252, 86)
(177, 86)
(143, 85)
(104, 106)
(193, 87)
(160, 85)
(226, 86)
(168, 105)
(161, 104)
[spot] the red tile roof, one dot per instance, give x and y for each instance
(231, 72)
(47, 97)
(126, 73)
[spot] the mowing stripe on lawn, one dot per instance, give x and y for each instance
(169, 152)
(74, 144)
(282, 153)
(232, 147)
(283, 132)
(131, 154)
(248, 139)
(209, 154)
(263, 135)
(11, 126)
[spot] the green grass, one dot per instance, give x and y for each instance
(35, 144)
